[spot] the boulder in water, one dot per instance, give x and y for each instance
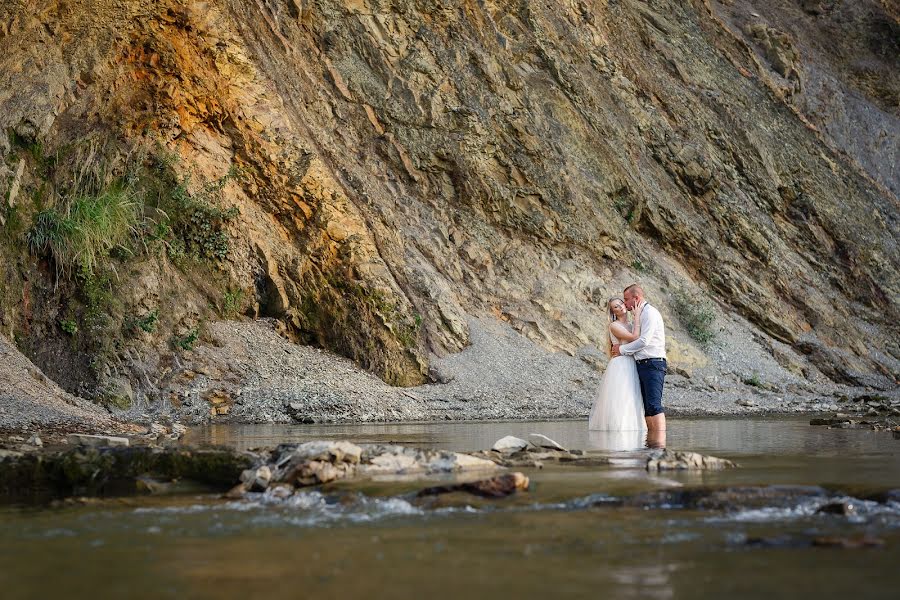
(509, 445)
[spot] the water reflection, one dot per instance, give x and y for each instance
(616, 441)
(644, 581)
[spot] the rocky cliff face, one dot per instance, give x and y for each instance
(371, 172)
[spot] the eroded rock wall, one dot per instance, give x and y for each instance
(403, 164)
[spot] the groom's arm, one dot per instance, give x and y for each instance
(649, 323)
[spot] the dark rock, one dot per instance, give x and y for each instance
(838, 508)
(830, 421)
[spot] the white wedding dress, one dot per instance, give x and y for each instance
(618, 405)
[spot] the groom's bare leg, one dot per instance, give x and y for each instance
(656, 438)
(656, 422)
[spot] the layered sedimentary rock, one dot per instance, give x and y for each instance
(403, 164)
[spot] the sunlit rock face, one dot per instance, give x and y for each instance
(401, 165)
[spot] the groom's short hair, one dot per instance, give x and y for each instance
(634, 289)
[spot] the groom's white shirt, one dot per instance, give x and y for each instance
(652, 343)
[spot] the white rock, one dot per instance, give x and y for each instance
(509, 444)
(96, 441)
(328, 451)
(542, 441)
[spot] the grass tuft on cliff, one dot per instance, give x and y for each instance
(81, 235)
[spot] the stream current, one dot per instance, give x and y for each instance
(612, 531)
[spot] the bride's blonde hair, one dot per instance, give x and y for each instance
(610, 317)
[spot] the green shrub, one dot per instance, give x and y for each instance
(696, 315)
(189, 224)
(232, 302)
(187, 341)
(70, 326)
(148, 323)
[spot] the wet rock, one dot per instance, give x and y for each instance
(838, 508)
(97, 441)
(509, 444)
(672, 460)
(317, 462)
(542, 441)
(36, 441)
(499, 486)
(257, 480)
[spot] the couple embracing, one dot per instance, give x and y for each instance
(630, 394)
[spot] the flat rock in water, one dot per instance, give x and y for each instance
(542, 441)
(509, 444)
(493, 487)
(402, 460)
(97, 441)
(673, 460)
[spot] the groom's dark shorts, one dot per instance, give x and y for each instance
(652, 375)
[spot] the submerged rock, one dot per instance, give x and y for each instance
(729, 498)
(673, 460)
(848, 543)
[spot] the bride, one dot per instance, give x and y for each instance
(619, 406)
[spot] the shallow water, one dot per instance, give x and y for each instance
(565, 537)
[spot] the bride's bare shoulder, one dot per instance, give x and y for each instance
(618, 328)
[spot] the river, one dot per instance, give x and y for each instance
(570, 535)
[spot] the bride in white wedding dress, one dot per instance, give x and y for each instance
(619, 406)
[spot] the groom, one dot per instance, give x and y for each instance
(649, 352)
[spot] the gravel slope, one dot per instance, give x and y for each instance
(28, 399)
